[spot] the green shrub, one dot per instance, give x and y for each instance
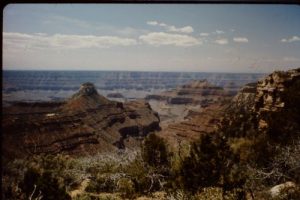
(102, 183)
(211, 163)
(201, 169)
(138, 171)
(45, 184)
(154, 151)
(94, 197)
(126, 188)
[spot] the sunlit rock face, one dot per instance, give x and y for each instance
(278, 96)
(270, 106)
(245, 98)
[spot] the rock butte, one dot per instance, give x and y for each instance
(86, 123)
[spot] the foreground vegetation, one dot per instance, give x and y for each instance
(214, 168)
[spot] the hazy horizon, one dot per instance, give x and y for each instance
(151, 37)
(117, 70)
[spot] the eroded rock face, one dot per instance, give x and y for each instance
(270, 106)
(239, 119)
(244, 100)
(195, 92)
(84, 124)
(204, 120)
(278, 96)
(195, 124)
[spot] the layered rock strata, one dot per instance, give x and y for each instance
(277, 107)
(195, 123)
(270, 106)
(84, 124)
(196, 92)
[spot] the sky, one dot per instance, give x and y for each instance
(151, 37)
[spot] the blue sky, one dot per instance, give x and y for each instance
(151, 37)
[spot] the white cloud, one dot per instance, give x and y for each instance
(130, 32)
(152, 23)
(284, 40)
(171, 28)
(241, 39)
(221, 41)
(61, 41)
(162, 38)
(162, 24)
(204, 34)
(186, 29)
(219, 32)
(291, 59)
(294, 39)
(41, 34)
(291, 39)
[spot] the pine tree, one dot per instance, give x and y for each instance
(154, 151)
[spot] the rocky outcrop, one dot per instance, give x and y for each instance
(239, 120)
(270, 106)
(244, 99)
(84, 124)
(277, 93)
(86, 98)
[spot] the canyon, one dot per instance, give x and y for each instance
(89, 123)
(86, 123)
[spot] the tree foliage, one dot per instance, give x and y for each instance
(154, 151)
(45, 184)
(211, 163)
